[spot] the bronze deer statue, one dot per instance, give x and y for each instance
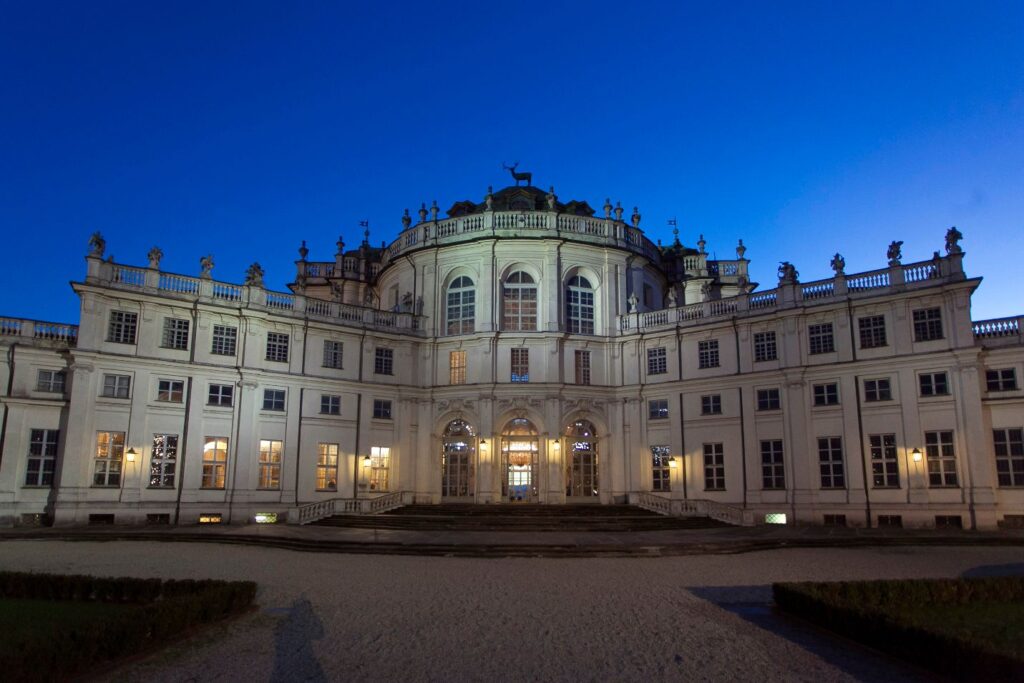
(528, 177)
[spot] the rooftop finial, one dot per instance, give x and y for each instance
(406, 219)
(701, 243)
(303, 251)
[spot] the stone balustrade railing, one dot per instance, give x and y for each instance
(370, 505)
(603, 231)
(692, 507)
(58, 333)
(872, 283)
(191, 289)
(999, 331)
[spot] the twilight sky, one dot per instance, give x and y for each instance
(240, 129)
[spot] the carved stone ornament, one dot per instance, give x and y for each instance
(671, 297)
(635, 217)
(254, 275)
(953, 237)
(633, 301)
(205, 266)
(303, 251)
(740, 250)
(97, 245)
(154, 256)
(406, 219)
(788, 273)
(838, 264)
(895, 252)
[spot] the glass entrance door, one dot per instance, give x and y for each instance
(519, 450)
(581, 476)
(457, 455)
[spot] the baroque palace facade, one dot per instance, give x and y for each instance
(522, 349)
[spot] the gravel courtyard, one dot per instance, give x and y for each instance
(364, 617)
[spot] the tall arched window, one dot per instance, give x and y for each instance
(519, 299)
(461, 306)
(457, 455)
(581, 478)
(579, 304)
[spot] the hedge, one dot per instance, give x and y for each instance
(162, 609)
(868, 611)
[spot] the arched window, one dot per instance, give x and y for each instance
(579, 304)
(520, 446)
(519, 298)
(461, 306)
(457, 456)
(581, 477)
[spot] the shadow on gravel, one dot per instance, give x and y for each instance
(991, 570)
(294, 659)
(755, 605)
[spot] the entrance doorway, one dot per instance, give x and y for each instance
(581, 474)
(458, 453)
(520, 446)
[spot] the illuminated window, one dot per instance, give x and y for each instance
(657, 409)
(224, 340)
(660, 469)
(383, 361)
(582, 367)
(461, 308)
(579, 300)
(928, 324)
(42, 457)
(270, 464)
(938, 447)
(457, 367)
(820, 339)
(277, 347)
(170, 390)
(332, 354)
(826, 394)
(885, 468)
(520, 365)
(330, 404)
(877, 390)
(872, 331)
(765, 347)
(327, 467)
(117, 386)
(380, 457)
(714, 467)
(175, 334)
(830, 462)
(519, 299)
(773, 473)
(707, 354)
(215, 462)
(51, 381)
(221, 394)
(657, 361)
(122, 326)
(1009, 447)
(109, 456)
(164, 460)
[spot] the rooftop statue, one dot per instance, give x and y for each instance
(205, 266)
(254, 275)
(838, 264)
(154, 256)
(895, 252)
(788, 273)
(525, 175)
(97, 244)
(953, 237)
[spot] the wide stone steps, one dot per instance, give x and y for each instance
(519, 517)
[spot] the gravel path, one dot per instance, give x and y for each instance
(363, 617)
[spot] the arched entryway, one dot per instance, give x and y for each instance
(520, 446)
(581, 475)
(458, 457)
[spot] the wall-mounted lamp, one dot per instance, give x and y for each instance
(916, 454)
(130, 455)
(367, 461)
(673, 463)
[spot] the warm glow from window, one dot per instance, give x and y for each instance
(775, 518)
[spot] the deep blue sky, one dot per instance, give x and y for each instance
(242, 128)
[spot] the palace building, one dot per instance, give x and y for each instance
(519, 349)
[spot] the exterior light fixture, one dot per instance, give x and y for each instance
(673, 463)
(916, 453)
(130, 454)
(367, 461)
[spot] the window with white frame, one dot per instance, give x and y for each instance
(657, 361)
(381, 409)
(885, 468)
(582, 364)
(327, 467)
(773, 471)
(1009, 447)
(768, 399)
(711, 404)
(122, 327)
(872, 331)
(826, 394)
(933, 384)
(221, 395)
(383, 361)
(579, 304)
(765, 348)
(330, 404)
(941, 456)
(270, 464)
(1003, 379)
(520, 361)
(927, 324)
(380, 461)
(164, 461)
(277, 347)
(461, 306)
(108, 460)
(51, 381)
(714, 467)
(273, 399)
(519, 300)
(657, 409)
(661, 469)
(332, 354)
(175, 334)
(707, 354)
(877, 390)
(456, 367)
(215, 462)
(42, 457)
(830, 462)
(117, 386)
(170, 390)
(820, 338)
(225, 339)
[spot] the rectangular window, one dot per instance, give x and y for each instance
(1009, 446)
(109, 455)
(380, 457)
(51, 381)
(826, 394)
(938, 448)
(122, 326)
(383, 361)
(520, 365)
(175, 334)
(270, 464)
(1004, 379)
(164, 460)
(381, 409)
(224, 340)
(885, 468)
(928, 324)
(277, 347)
(657, 361)
(273, 399)
(877, 390)
(657, 409)
(707, 354)
(714, 467)
(582, 367)
(117, 386)
(933, 384)
(221, 394)
(330, 405)
(830, 460)
(661, 469)
(215, 462)
(327, 467)
(42, 457)
(768, 399)
(171, 390)
(872, 331)
(820, 339)
(332, 354)
(773, 473)
(765, 347)
(711, 404)
(457, 367)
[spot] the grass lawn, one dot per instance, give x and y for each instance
(22, 620)
(1000, 624)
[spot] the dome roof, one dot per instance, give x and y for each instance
(520, 198)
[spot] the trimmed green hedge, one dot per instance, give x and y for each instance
(870, 612)
(162, 610)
